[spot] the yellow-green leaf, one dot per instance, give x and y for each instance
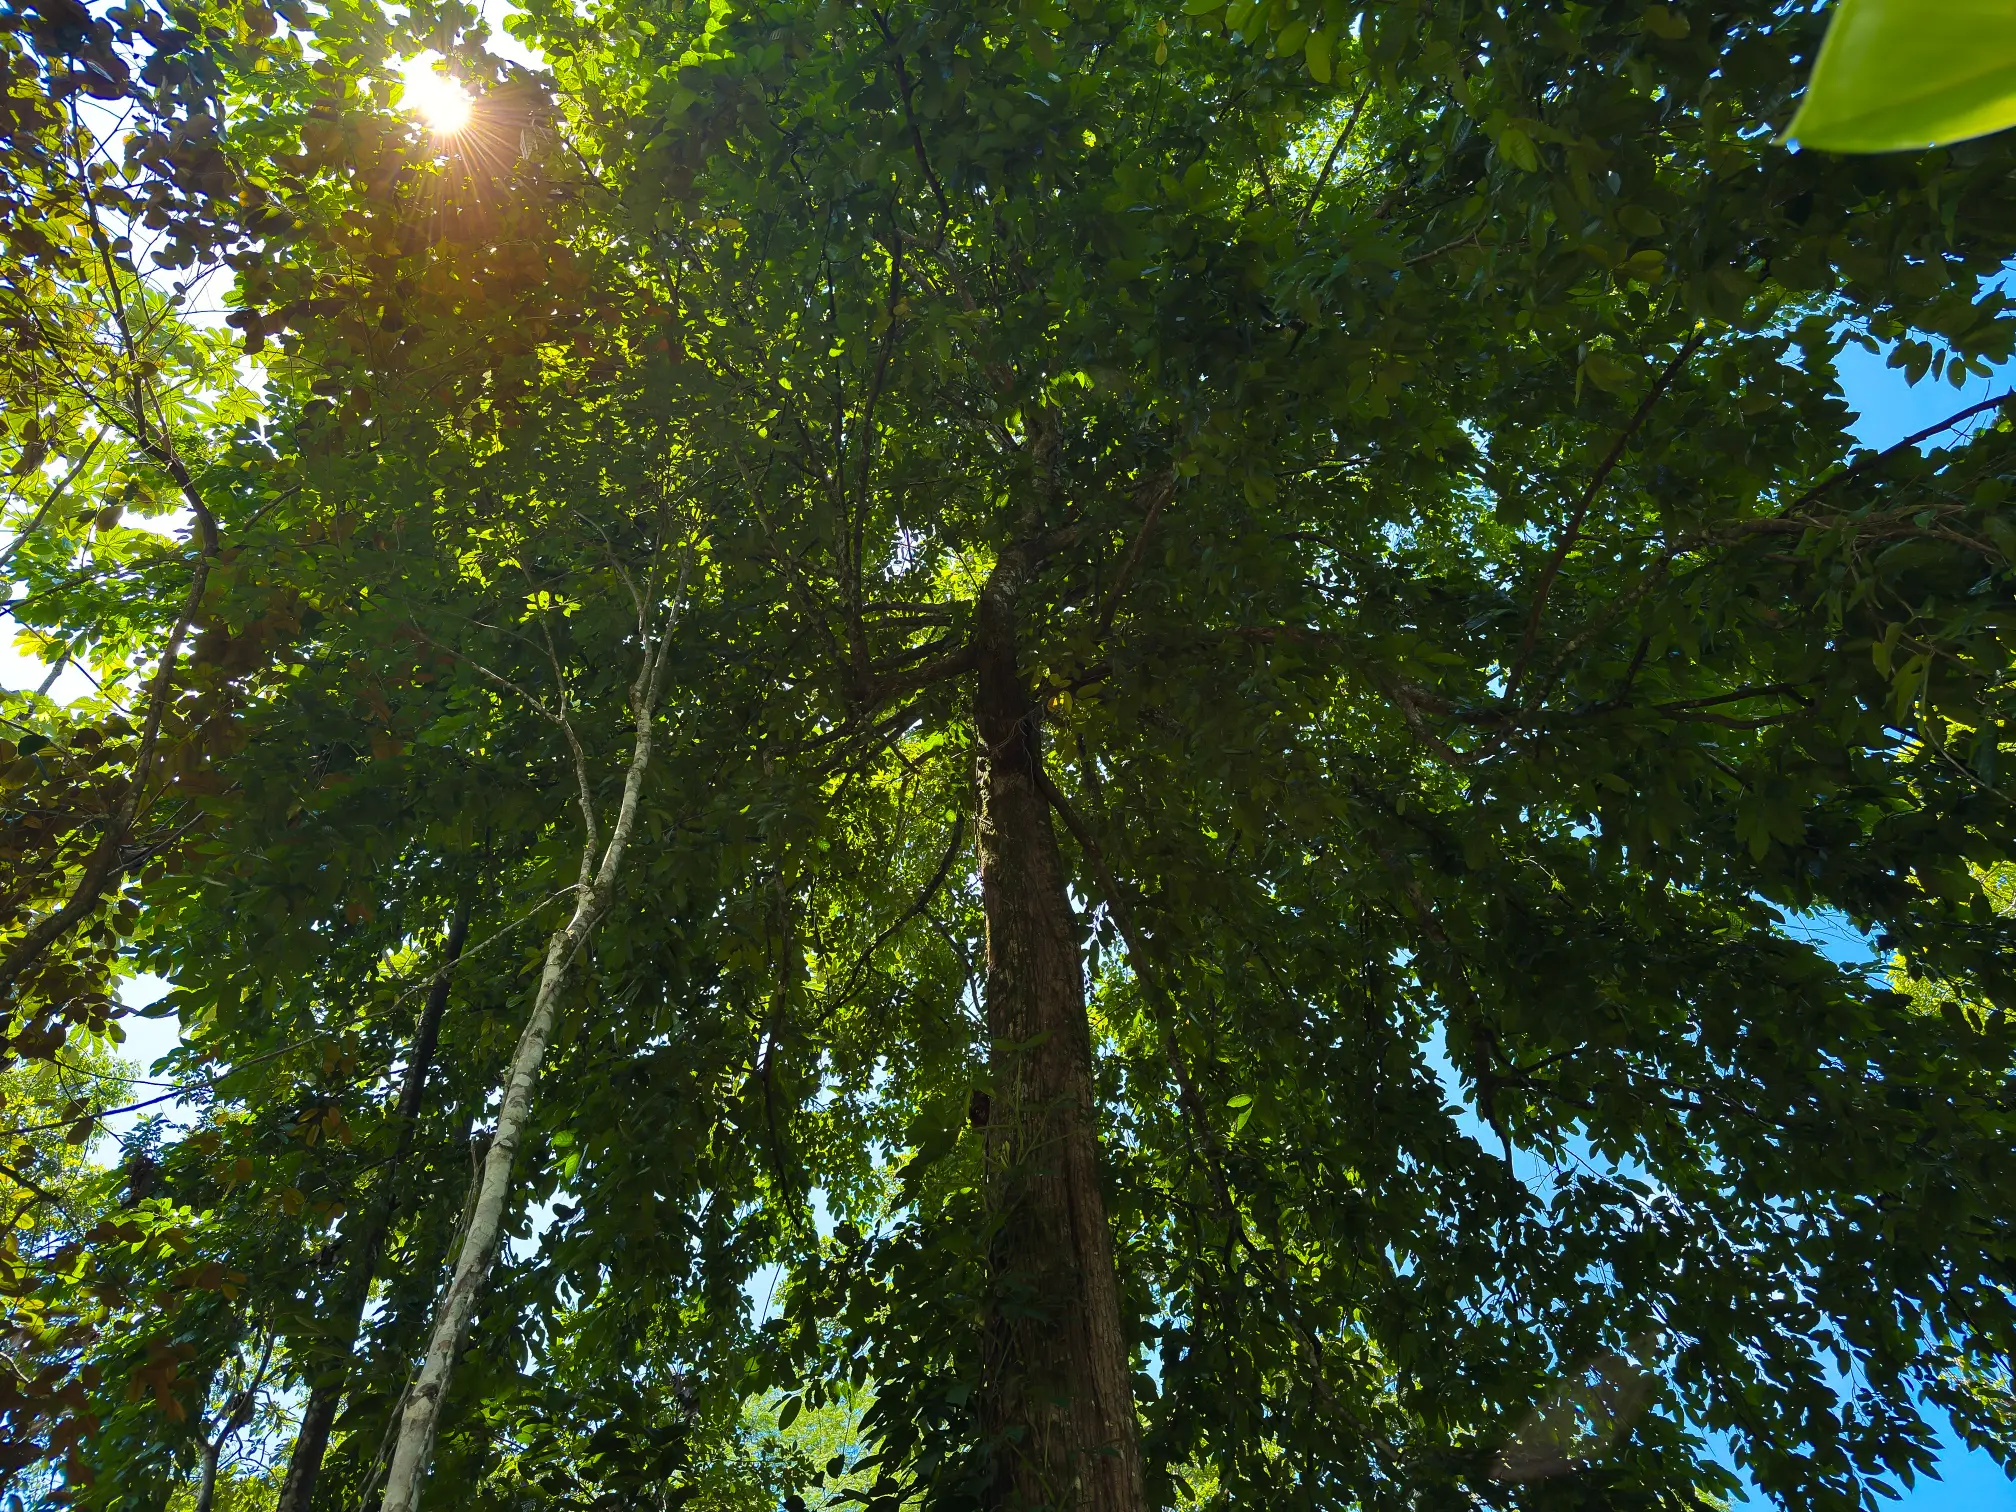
(1901, 74)
(1639, 221)
(1317, 54)
(1609, 372)
(1661, 21)
(1648, 266)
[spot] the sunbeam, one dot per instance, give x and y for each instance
(442, 103)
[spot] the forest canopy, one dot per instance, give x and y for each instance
(1060, 754)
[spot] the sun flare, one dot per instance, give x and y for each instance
(438, 100)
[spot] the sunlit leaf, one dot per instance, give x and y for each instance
(1901, 74)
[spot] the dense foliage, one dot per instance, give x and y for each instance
(1013, 755)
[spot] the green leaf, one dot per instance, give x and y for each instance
(1517, 149)
(1661, 21)
(1648, 266)
(1317, 54)
(2002, 532)
(1609, 372)
(1639, 221)
(1895, 75)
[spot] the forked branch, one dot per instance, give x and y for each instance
(420, 1413)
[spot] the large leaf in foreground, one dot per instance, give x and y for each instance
(1900, 74)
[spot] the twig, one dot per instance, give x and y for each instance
(584, 785)
(65, 1123)
(922, 902)
(501, 933)
(1164, 491)
(104, 864)
(1344, 136)
(1434, 252)
(55, 671)
(496, 680)
(910, 117)
(62, 487)
(22, 1181)
(1575, 521)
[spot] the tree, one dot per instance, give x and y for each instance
(417, 574)
(1378, 488)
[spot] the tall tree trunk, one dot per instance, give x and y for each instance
(325, 1395)
(1061, 1367)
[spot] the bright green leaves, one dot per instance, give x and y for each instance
(1284, 28)
(1900, 74)
(1317, 53)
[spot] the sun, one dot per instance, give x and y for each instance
(437, 99)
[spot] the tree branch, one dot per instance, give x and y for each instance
(1162, 492)
(910, 119)
(496, 680)
(62, 487)
(923, 901)
(1870, 463)
(105, 863)
(1344, 136)
(951, 664)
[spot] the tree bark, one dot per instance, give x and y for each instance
(311, 1442)
(1060, 1398)
(206, 1485)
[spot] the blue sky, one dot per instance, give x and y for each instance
(1891, 409)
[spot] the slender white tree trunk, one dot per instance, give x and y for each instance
(420, 1416)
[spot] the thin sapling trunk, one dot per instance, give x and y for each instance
(420, 1417)
(325, 1394)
